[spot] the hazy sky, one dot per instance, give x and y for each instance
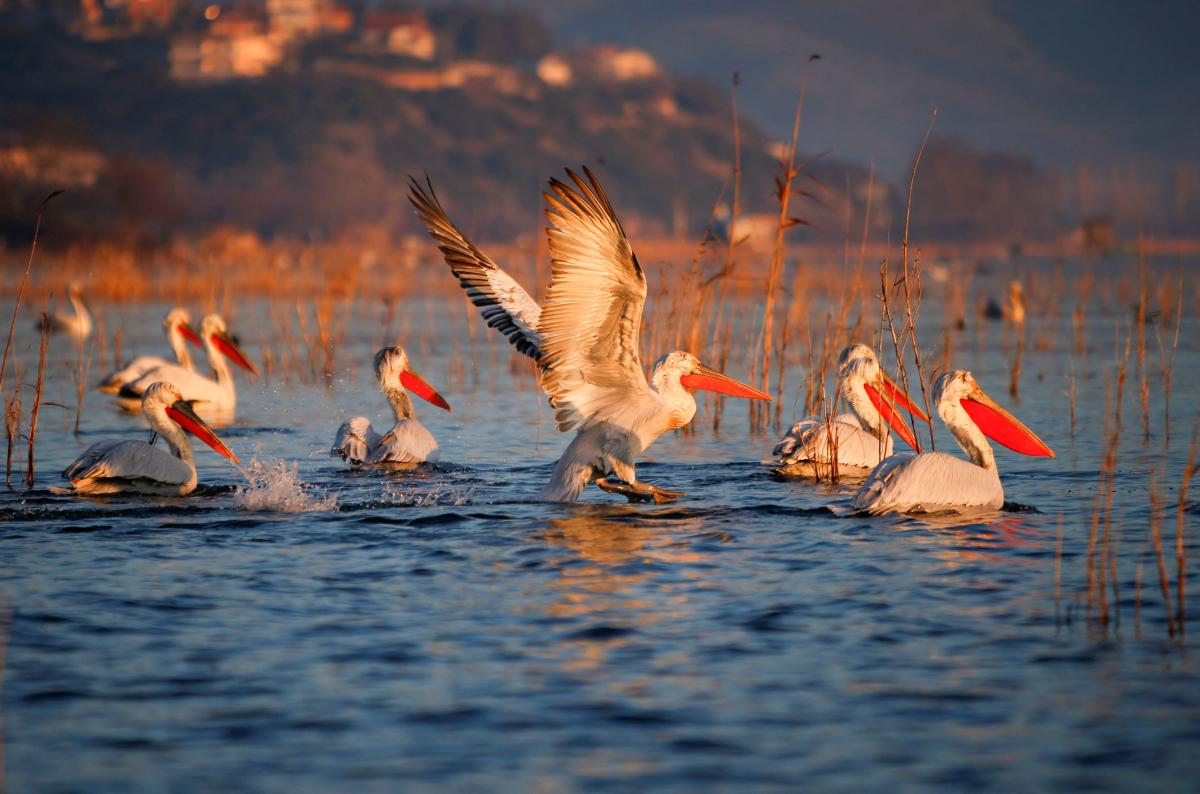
(1100, 80)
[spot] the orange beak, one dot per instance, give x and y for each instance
(420, 387)
(182, 414)
(885, 395)
(227, 346)
(190, 334)
(711, 380)
(1002, 427)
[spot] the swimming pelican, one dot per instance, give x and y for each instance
(585, 339)
(217, 395)
(108, 467)
(858, 440)
(408, 442)
(934, 481)
(76, 324)
(177, 325)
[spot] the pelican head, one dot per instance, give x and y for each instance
(958, 389)
(686, 370)
(853, 354)
(165, 409)
(213, 327)
(178, 318)
(859, 372)
(393, 370)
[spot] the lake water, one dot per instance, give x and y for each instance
(335, 630)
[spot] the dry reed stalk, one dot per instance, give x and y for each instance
(12, 325)
(118, 337)
(909, 311)
(43, 346)
(1058, 548)
(80, 374)
(1167, 364)
(1014, 378)
(1156, 538)
(1143, 377)
(1071, 396)
(1189, 471)
(783, 194)
(889, 322)
(12, 427)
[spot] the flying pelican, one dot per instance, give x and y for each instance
(858, 440)
(216, 395)
(76, 324)
(934, 481)
(408, 442)
(585, 339)
(108, 467)
(177, 325)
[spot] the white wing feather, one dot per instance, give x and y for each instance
(128, 460)
(192, 385)
(809, 440)
(407, 442)
(592, 315)
(354, 440)
(505, 305)
(926, 483)
(132, 371)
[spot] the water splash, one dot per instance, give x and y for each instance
(277, 486)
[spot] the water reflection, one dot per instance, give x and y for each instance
(612, 579)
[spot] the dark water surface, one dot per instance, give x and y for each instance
(434, 630)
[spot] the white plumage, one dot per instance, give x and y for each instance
(215, 397)
(858, 440)
(937, 482)
(76, 323)
(585, 339)
(177, 325)
(408, 442)
(109, 467)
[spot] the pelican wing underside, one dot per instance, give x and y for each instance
(593, 311)
(504, 304)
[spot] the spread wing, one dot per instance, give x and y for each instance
(128, 460)
(593, 310)
(505, 305)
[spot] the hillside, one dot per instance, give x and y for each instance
(325, 143)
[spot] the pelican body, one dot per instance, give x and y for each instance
(854, 442)
(216, 395)
(77, 323)
(177, 325)
(937, 482)
(584, 338)
(138, 467)
(408, 442)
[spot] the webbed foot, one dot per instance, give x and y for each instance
(638, 492)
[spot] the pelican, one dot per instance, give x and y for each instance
(177, 325)
(109, 467)
(934, 481)
(76, 324)
(585, 339)
(217, 395)
(858, 440)
(408, 442)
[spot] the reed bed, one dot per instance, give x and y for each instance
(760, 310)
